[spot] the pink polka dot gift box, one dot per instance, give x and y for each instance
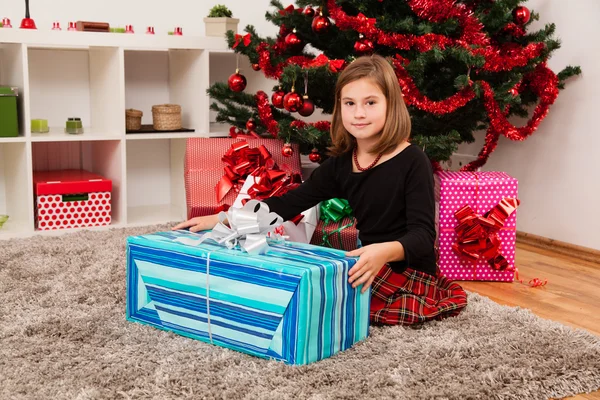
(71, 199)
(476, 222)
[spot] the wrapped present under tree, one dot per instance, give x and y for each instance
(476, 225)
(285, 301)
(216, 168)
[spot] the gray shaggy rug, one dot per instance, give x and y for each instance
(63, 335)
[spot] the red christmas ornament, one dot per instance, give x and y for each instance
(320, 24)
(363, 46)
(514, 92)
(237, 81)
(251, 125)
(309, 12)
(277, 98)
(287, 150)
(308, 107)
(292, 40)
(314, 156)
(256, 67)
(292, 101)
(521, 15)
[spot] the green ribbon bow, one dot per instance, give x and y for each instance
(332, 211)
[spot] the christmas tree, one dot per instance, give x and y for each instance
(464, 67)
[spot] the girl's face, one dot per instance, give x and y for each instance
(363, 110)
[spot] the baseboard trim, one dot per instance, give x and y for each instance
(572, 250)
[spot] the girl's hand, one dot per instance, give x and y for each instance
(198, 223)
(372, 258)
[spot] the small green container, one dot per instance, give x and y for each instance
(9, 114)
(74, 126)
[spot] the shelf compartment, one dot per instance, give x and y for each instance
(102, 157)
(155, 181)
(167, 77)
(84, 83)
(15, 199)
(12, 61)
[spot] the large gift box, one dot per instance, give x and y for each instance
(476, 225)
(216, 168)
(291, 303)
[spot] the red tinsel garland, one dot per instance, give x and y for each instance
(508, 56)
(323, 126)
(265, 113)
(412, 95)
(544, 83)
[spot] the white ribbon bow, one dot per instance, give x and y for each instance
(248, 227)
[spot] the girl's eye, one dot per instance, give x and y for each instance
(370, 103)
(349, 103)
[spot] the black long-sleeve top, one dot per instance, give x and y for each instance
(391, 201)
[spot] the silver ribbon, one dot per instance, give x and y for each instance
(248, 227)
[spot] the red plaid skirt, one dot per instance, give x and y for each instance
(412, 297)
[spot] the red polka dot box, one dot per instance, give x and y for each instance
(71, 199)
(469, 259)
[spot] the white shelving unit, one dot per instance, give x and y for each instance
(96, 76)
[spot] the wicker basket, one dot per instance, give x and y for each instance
(166, 117)
(133, 119)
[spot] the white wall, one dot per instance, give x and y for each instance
(558, 178)
(558, 182)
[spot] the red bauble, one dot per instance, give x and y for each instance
(308, 107)
(363, 46)
(309, 12)
(251, 125)
(292, 101)
(287, 150)
(237, 82)
(256, 67)
(514, 92)
(277, 98)
(314, 156)
(293, 41)
(521, 15)
(320, 24)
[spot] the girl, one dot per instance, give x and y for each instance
(389, 185)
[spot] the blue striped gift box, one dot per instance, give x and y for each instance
(292, 304)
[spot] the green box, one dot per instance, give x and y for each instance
(9, 115)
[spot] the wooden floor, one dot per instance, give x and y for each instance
(571, 296)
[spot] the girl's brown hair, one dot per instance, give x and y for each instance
(397, 121)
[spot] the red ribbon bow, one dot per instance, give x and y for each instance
(238, 38)
(478, 235)
(241, 161)
(288, 10)
(272, 183)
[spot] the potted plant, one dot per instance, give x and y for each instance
(219, 21)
